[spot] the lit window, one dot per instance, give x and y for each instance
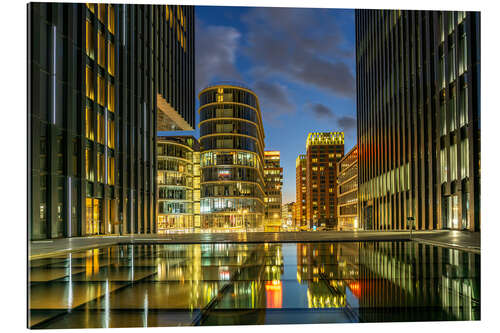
(111, 97)
(89, 124)
(111, 170)
(101, 87)
(101, 10)
(90, 6)
(101, 49)
(89, 83)
(89, 40)
(111, 134)
(111, 58)
(111, 19)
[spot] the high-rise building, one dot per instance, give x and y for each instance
(287, 215)
(103, 78)
(418, 119)
(232, 159)
(178, 184)
(300, 192)
(323, 151)
(273, 177)
(347, 191)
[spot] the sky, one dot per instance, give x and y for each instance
(300, 63)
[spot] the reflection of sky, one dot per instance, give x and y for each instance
(351, 299)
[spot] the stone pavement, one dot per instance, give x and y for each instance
(463, 240)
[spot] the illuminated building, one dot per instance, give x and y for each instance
(300, 192)
(418, 119)
(94, 107)
(232, 159)
(347, 191)
(273, 177)
(178, 184)
(323, 151)
(287, 214)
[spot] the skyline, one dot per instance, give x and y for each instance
(298, 95)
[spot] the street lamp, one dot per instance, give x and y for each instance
(244, 221)
(411, 221)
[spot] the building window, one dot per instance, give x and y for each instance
(89, 83)
(464, 157)
(111, 134)
(453, 162)
(111, 97)
(100, 167)
(444, 166)
(462, 54)
(101, 49)
(443, 119)
(100, 128)
(89, 124)
(91, 6)
(111, 170)
(89, 40)
(111, 19)
(101, 90)
(89, 171)
(101, 12)
(464, 114)
(111, 58)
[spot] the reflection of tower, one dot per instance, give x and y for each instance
(318, 264)
(274, 269)
(392, 277)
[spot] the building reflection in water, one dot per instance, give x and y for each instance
(141, 285)
(407, 281)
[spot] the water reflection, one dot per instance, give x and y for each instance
(220, 284)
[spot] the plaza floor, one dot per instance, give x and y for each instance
(462, 240)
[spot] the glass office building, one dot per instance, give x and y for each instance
(178, 184)
(103, 78)
(418, 119)
(232, 159)
(347, 191)
(273, 176)
(300, 193)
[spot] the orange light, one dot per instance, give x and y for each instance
(274, 296)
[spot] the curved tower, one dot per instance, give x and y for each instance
(232, 155)
(178, 184)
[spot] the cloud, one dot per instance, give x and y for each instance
(216, 54)
(304, 45)
(274, 94)
(347, 123)
(320, 110)
(344, 122)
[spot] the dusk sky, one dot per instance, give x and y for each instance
(300, 62)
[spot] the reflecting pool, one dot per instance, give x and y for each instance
(242, 284)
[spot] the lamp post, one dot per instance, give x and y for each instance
(244, 220)
(410, 220)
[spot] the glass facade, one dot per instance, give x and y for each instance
(418, 118)
(347, 191)
(231, 160)
(273, 176)
(178, 184)
(92, 148)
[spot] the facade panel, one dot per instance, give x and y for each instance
(96, 72)
(418, 114)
